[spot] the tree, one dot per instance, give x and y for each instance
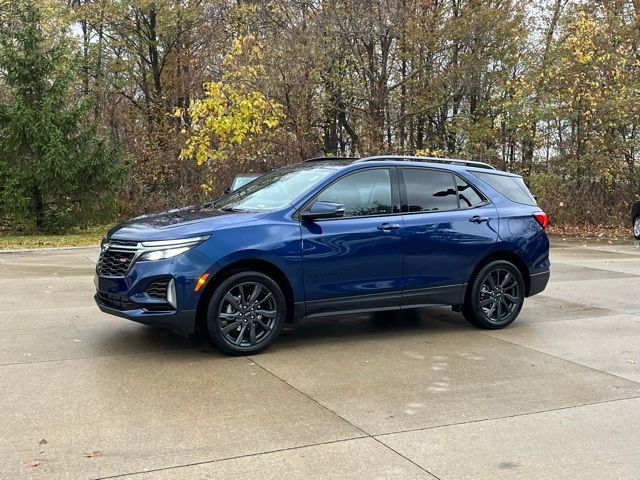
(591, 93)
(498, 80)
(232, 113)
(56, 171)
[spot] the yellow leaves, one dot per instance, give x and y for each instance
(592, 72)
(582, 41)
(431, 152)
(232, 112)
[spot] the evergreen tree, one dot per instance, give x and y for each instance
(56, 170)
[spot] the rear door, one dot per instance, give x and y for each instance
(448, 227)
(354, 263)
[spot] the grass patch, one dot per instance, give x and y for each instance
(75, 238)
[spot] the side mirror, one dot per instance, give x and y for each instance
(227, 190)
(323, 210)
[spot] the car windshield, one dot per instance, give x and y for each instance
(274, 190)
(241, 180)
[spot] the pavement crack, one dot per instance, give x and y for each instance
(407, 459)
(324, 407)
(515, 415)
(89, 357)
(487, 334)
(223, 459)
(365, 433)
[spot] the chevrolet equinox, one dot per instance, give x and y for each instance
(331, 236)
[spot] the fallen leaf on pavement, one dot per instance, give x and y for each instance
(35, 463)
(92, 453)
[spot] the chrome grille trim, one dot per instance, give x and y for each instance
(114, 250)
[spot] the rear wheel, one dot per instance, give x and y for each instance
(246, 313)
(495, 297)
(636, 227)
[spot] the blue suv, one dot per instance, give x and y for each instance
(331, 236)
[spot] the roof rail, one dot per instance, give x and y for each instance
(409, 158)
(321, 159)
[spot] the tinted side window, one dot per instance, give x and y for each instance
(362, 193)
(467, 195)
(429, 190)
(513, 188)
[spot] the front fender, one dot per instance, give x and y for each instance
(277, 243)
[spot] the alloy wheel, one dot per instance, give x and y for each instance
(499, 295)
(636, 227)
(247, 314)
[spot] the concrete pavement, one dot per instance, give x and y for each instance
(418, 395)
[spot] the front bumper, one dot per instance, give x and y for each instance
(127, 296)
(180, 322)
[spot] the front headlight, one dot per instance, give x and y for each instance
(162, 254)
(163, 249)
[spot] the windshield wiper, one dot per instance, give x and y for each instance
(231, 209)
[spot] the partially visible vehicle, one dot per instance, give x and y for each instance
(241, 180)
(635, 219)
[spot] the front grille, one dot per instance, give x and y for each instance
(157, 289)
(115, 263)
(124, 243)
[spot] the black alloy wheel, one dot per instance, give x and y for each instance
(496, 296)
(246, 313)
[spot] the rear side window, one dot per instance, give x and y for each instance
(467, 195)
(513, 188)
(429, 190)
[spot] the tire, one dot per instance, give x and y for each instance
(246, 313)
(636, 227)
(498, 286)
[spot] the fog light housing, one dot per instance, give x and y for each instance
(171, 294)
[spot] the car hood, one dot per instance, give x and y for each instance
(179, 223)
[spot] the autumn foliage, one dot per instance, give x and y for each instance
(196, 91)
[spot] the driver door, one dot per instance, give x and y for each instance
(354, 263)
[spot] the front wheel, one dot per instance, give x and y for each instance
(636, 227)
(246, 313)
(495, 297)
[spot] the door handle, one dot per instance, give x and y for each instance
(478, 219)
(388, 226)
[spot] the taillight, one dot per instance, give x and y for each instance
(542, 218)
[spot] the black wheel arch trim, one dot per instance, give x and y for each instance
(293, 310)
(507, 255)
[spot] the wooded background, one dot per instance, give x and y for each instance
(116, 107)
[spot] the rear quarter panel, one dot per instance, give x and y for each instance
(521, 233)
(518, 231)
